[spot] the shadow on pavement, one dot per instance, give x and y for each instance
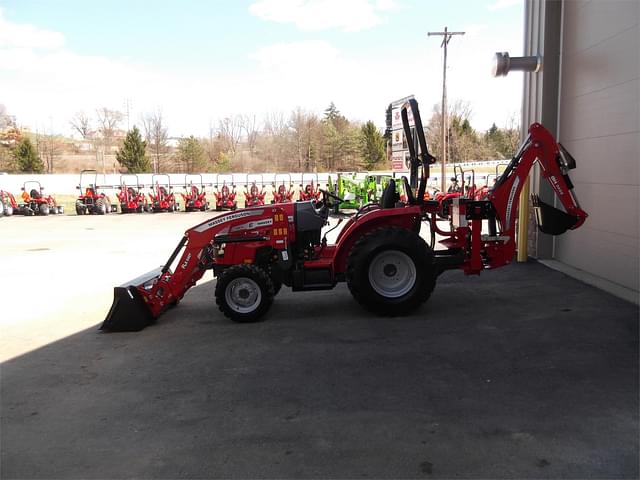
(522, 372)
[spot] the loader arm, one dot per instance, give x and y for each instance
(139, 302)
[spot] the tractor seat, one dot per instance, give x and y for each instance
(389, 196)
(409, 192)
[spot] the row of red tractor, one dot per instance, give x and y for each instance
(32, 201)
(160, 196)
(132, 196)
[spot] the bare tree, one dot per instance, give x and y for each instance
(230, 129)
(50, 148)
(81, 124)
(213, 145)
(156, 135)
(109, 120)
(275, 124)
(249, 125)
(304, 128)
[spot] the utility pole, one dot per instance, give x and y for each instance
(127, 106)
(445, 41)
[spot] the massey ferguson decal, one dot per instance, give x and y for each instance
(251, 225)
(228, 218)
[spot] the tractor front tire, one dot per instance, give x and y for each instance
(100, 207)
(390, 271)
(244, 293)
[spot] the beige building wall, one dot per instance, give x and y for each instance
(599, 123)
(588, 94)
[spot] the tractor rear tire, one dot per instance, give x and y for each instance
(244, 293)
(43, 209)
(79, 208)
(390, 271)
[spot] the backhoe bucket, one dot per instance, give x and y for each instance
(129, 311)
(550, 220)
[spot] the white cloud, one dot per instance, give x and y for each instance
(295, 54)
(315, 15)
(502, 4)
(24, 35)
(45, 87)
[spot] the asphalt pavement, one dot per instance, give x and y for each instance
(521, 372)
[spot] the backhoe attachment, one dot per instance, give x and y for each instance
(551, 220)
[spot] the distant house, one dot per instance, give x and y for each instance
(95, 140)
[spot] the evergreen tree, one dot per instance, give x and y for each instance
(132, 155)
(372, 146)
(192, 154)
(26, 157)
(388, 123)
(332, 113)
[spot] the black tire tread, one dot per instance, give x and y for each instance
(410, 243)
(255, 273)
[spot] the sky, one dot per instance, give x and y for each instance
(199, 61)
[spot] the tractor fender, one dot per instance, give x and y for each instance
(406, 217)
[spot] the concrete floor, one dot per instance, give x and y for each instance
(519, 373)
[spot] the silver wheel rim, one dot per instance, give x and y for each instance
(243, 295)
(392, 274)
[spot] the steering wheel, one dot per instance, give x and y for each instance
(325, 204)
(326, 194)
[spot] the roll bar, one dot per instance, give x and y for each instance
(423, 157)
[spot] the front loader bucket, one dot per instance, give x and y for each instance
(129, 311)
(550, 220)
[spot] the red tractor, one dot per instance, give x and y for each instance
(35, 202)
(8, 204)
(483, 192)
(130, 196)
(389, 268)
(225, 196)
(161, 196)
(253, 196)
(445, 199)
(195, 199)
(282, 192)
(309, 190)
(91, 200)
